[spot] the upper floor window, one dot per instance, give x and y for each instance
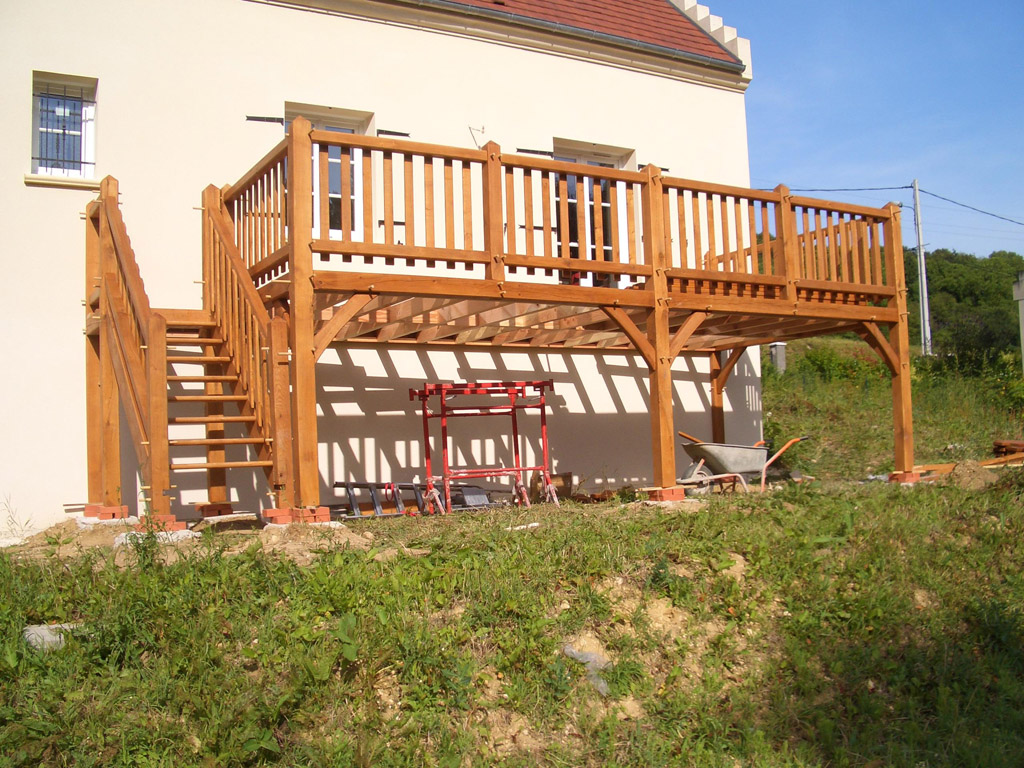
(63, 125)
(337, 121)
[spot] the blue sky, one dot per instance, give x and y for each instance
(873, 94)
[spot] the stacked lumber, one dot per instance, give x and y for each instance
(1007, 447)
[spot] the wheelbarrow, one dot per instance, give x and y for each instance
(716, 462)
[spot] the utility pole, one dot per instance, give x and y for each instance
(922, 278)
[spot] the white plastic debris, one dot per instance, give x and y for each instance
(594, 662)
(47, 637)
(523, 527)
(163, 537)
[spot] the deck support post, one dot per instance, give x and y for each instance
(658, 333)
(899, 340)
(109, 441)
(719, 377)
(93, 389)
(301, 301)
(717, 399)
(156, 429)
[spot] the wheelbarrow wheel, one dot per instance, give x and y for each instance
(699, 481)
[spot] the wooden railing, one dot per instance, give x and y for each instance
(137, 339)
(256, 343)
(380, 202)
(258, 207)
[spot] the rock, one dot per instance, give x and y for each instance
(47, 637)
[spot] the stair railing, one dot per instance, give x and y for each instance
(256, 343)
(136, 337)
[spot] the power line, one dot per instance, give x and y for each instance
(976, 210)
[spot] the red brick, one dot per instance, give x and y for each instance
(214, 509)
(678, 493)
(106, 513)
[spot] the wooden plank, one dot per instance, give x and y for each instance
(94, 412)
(717, 400)
(399, 251)
(528, 212)
(699, 259)
(449, 205)
(367, 198)
(545, 187)
(510, 211)
(273, 157)
(428, 199)
(467, 206)
(819, 241)
(807, 252)
(712, 263)
(410, 203)
(582, 249)
(634, 249)
(388, 145)
(767, 250)
(581, 265)
(876, 254)
(389, 199)
(757, 266)
(323, 167)
(903, 425)
(597, 221)
(346, 194)
(563, 217)
(613, 211)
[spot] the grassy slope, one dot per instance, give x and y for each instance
(858, 625)
(850, 416)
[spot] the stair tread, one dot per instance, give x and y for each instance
(221, 465)
(206, 398)
(199, 379)
(219, 441)
(210, 419)
(198, 359)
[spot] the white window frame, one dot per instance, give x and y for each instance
(602, 156)
(341, 121)
(48, 88)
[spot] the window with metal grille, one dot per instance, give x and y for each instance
(64, 121)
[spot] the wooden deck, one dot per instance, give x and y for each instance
(437, 245)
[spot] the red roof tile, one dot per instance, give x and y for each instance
(653, 22)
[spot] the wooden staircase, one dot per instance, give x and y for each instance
(191, 345)
(203, 391)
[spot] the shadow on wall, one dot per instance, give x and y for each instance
(598, 419)
(370, 431)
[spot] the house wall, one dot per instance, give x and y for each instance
(176, 81)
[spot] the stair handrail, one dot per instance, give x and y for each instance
(137, 341)
(256, 343)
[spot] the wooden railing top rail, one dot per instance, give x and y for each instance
(333, 138)
(851, 208)
(272, 157)
(125, 256)
(725, 190)
(569, 168)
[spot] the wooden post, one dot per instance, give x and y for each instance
(93, 392)
(662, 427)
(110, 413)
(216, 479)
(301, 301)
(717, 399)
(159, 459)
(787, 253)
(493, 219)
(283, 478)
(899, 339)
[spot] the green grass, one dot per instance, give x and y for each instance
(872, 623)
(831, 624)
(835, 391)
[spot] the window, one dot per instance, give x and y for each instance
(339, 121)
(593, 189)
(63, 125)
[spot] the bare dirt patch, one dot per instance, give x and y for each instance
(971, 476)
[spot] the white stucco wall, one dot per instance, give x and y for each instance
(175, 83)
